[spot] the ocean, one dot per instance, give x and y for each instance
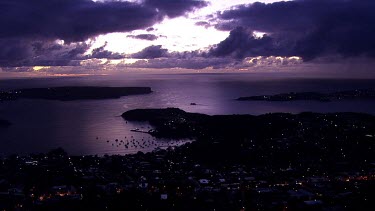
(90, 127)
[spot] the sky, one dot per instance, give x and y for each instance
(87, 36)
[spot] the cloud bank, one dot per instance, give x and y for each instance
(58, 32)
(149, 37)
(31, 27)
(314, 30)
(306, 28)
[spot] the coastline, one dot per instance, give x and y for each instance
(70, 93)
(303, 161)
(358, 94)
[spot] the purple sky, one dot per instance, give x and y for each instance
(80, 36)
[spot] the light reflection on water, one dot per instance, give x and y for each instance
(84, 127)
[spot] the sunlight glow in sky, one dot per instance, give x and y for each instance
(178, 34)
(39, 68)
(83, 36)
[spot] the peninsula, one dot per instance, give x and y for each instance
(306, 161)
(69, 93)
(358, 94)
(280, 161)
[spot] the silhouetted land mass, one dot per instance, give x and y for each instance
(73, 93)
(4, 123)
(358, 94)
(279, 161)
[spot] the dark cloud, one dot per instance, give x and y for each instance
(100, 53)
(306, 28)
(22, 52)
(13, 50)
(77, 20)
(203, 23)
(155, 56)
(157, 51)
(174, 8)
(194, 60)
(151, 52)
(29, 28)
(242, 43)
(72, 20)
(144, 36)
(15, 53)
(191, 63)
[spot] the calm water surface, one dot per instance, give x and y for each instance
(91, 126)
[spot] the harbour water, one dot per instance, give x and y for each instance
(92, 126)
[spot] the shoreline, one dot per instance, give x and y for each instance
(357, 94)
(303, 161)
(71, 93)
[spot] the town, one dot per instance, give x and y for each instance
(297, 162)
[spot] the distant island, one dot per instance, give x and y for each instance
(69, 93)
(358, 94)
